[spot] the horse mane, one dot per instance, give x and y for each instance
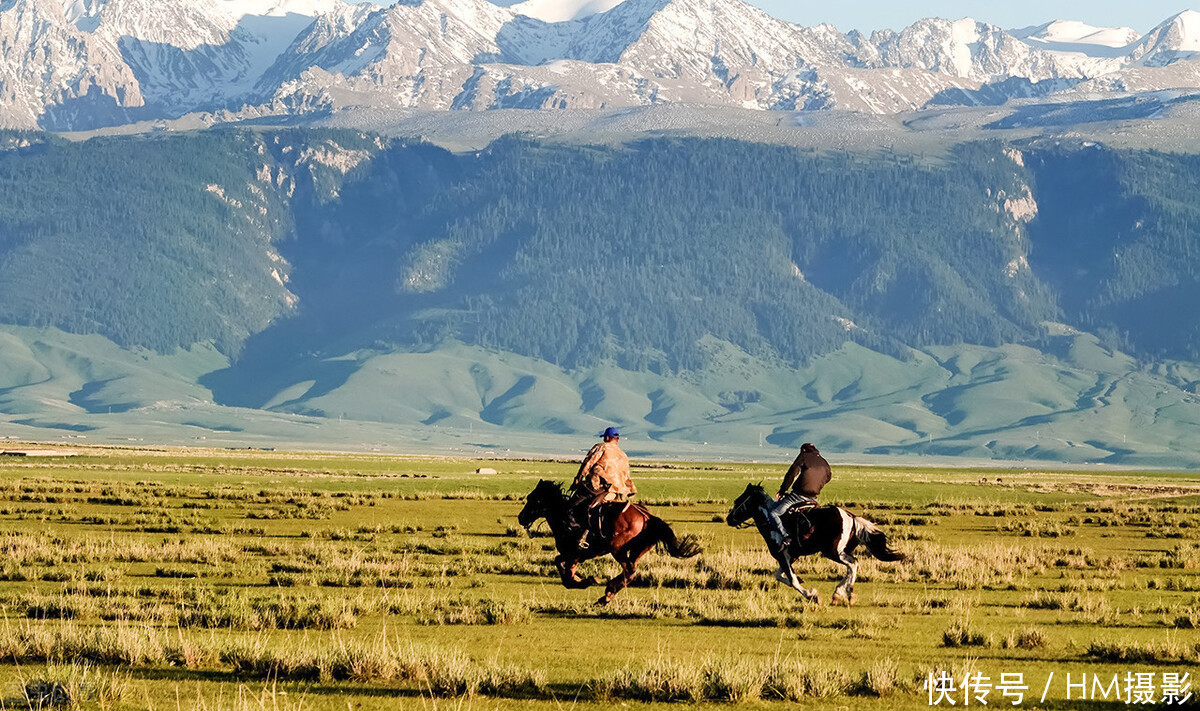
(552, 488)
(757, 490)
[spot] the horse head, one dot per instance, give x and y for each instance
(540, 502)
(745, 506)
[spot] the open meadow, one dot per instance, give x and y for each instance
(211, 579)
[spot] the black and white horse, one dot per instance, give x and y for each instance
(835, 534)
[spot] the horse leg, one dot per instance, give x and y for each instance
(844, 592)
(618, 583)
(787, 576)
(628, 548)
(571, 581)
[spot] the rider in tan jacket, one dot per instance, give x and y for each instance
(603, 476)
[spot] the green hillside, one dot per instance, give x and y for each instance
(251, 285)
(1085, 405)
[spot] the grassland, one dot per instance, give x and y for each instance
(162, 579)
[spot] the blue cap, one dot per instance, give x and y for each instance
(612, 432)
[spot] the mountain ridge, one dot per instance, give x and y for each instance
(171, 58)
(1031, 299)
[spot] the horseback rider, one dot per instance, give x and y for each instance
(805, 478)
(603, 477)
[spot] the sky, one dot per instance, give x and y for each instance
(866, 15)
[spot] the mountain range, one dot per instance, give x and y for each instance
(1024, 298)
(82, 64)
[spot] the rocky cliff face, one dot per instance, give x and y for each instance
(53, 74)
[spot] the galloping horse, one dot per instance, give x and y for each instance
(634, 533)
(835, 534)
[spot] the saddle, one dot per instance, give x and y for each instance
(797, 520)
(603, 517)
(598, 521)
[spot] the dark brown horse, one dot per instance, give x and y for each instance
(634, 532)
(835, 534)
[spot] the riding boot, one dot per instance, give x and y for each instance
(588, 523)
(780, 541)
(805, 529)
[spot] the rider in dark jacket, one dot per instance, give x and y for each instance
(807, 475)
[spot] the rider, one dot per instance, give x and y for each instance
(603, 477)
(805, 477)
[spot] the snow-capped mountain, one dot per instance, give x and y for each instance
(53, 74)
(562, 10)
(1177, 38)
(1078, 37)
(470, 54)
(969, 50)
(183, 54)
(81, 63)
(279, 8)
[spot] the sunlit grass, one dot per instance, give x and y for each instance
(249, 579)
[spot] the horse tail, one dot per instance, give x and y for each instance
(684, 547)
(876, 541)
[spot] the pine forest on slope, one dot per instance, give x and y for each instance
(704, 290)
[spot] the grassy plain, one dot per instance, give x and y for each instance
(164, 579)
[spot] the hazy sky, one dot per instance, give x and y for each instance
(867, 15)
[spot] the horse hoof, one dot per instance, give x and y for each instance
(853, 599)
(839, 599)
(602, 601)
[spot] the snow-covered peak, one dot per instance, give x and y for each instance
(562, 10)
(45, 9)
(1177, 38)
(184, 25)
(1069, 35)
(279, 8)
(962, 48)
(1186, 28)
(46, 63)
(83, 13)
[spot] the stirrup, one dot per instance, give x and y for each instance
(583, 544)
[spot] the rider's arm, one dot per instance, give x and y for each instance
(792, 473)
(592, 457)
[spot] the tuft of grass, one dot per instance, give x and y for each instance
(452, 675)
(1189, 620)
(1038, 529)
(881, 679)
(75, 684)
(1170, 651)
(511, 682)
(825, 680)
(733, 681)
(1028, 638)
(657, 681)
(483, 612)
(504, 612)
(960, 634)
